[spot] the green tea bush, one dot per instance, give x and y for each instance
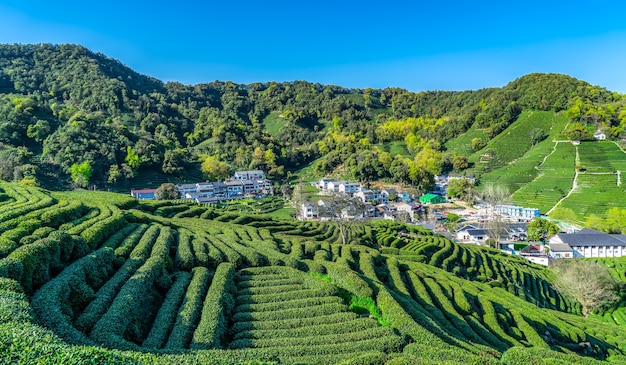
(166, 317)
(218, 305)
(188, 317)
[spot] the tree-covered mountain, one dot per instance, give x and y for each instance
(63, 106)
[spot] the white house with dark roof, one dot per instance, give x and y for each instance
(386, 193)
(322, 184)
(349, 188)
(187, 188)
(249, 175)
(309, 210)
(590, 243)
(334, 185)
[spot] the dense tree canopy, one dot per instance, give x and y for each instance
(66, 104)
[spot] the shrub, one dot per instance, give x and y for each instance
(218, 305)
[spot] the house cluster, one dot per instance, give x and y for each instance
(586, 243)
(512, 232)
(241, 184)
(387, 203)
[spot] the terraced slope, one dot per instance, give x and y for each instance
(96, 277)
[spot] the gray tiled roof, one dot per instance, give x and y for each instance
(592, 239)
(560, 247)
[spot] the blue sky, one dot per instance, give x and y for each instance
(442, 45)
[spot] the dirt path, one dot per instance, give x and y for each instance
(574, 186)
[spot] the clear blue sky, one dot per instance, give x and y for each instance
(417, 45)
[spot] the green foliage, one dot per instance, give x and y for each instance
(167, 191)
(139, 287)
(81, 173)
(540, 229)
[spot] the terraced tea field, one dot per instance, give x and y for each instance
(99, 278)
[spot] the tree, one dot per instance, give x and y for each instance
(459, 162)
(541, 229)
(38, 131)
(213, 168)
(81, 173)
(477, 143)
(578, 132)
(167, 191)
(174, 161)
(537, 135)
(344, 210)
(462, 189)
(495, 195)
(132, 158)
(586, 281)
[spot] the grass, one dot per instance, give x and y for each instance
(395, 148)
(601, 156)
(595, 194)
(282, 213)
(554, 181)
(463, 143)
(523, 170)
(272, 123)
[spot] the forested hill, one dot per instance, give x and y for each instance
(69, 116)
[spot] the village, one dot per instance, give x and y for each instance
(473, 224)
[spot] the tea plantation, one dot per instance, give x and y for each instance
(95, 278)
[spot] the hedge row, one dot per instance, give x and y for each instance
(190, 311)
(263, 290)
(56, 302)
(185, 258)
(297, 302)
(347, 279)
(218, 305)
(105, 296)
(284, 324)
(345, 337)
(118, 238)
(39, 233)
(250, 281)
(356, 324)
(249, 256)
(33, 265)
(128, 305)
(166, 317)
(317, 353)
(128, 244)
(270, 252)
(98, 232)
(311, 311)
(231, 255)
(56, 217)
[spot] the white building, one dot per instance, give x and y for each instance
(309, 211)
(349, 188)
(591, 243)
(249, 175)
(515, 211)
(599, 136)
(322, 184)
(412, 209)
(333, 186)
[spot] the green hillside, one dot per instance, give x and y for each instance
(98, 277)
(64, 105)
(72, 118)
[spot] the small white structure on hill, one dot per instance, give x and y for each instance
(599, 136)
